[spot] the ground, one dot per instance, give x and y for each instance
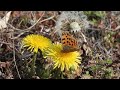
(98, 35)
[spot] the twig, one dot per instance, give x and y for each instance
(48, 18)
(54, 20)
(29, 27)
(19, 35)
(84, 37)
(5, 42)
(117, 28)
(94, 29)
(15, 59)
(27, 30)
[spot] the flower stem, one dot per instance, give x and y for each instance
(33, 65)
(62, 75)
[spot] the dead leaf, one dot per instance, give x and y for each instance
(4, 20)
(85, 76)
(78, 72)
(87, 49)
(16, 13)
(114, 25)
(4, 64)
(101, 25)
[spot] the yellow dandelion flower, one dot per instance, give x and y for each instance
(63, 60)
(35, 42)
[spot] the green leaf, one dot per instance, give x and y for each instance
(109, 61)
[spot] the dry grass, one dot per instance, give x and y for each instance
(100, 44)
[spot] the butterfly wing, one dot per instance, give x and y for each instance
(69, 42)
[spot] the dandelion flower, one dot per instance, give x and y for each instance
(35, 42)
(63, 60)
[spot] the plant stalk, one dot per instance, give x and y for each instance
(33, 65)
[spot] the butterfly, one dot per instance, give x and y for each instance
(69, 43)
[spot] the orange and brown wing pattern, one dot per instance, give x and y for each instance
(69, 42)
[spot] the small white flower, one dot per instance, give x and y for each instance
(75, 27)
